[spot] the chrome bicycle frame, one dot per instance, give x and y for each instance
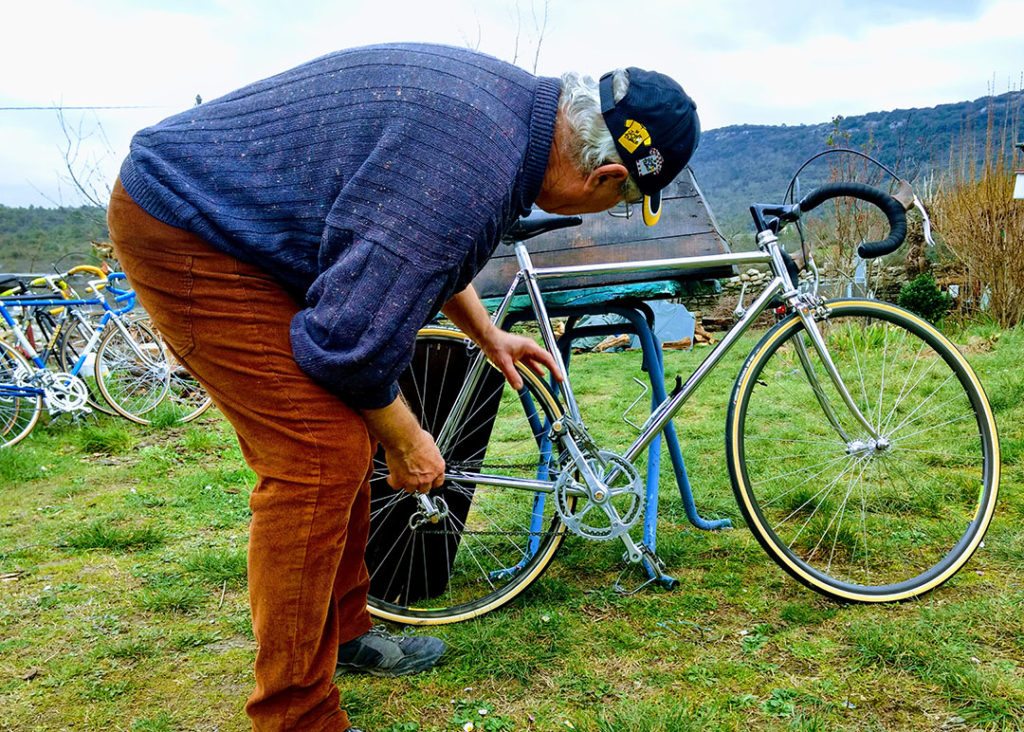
(769, 252)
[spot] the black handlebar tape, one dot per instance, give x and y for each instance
(892, 209)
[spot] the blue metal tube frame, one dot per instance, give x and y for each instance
(639, 321)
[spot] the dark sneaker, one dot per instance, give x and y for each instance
(381, 653)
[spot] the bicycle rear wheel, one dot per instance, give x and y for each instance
(19, 410)
(131, 370)
(186, 398)
(851, 517)
(495, 541)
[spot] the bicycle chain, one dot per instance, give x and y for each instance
(487, 533)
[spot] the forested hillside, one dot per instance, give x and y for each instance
(738, 165)
(734, 166)
(32, 239)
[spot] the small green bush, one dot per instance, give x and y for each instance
(922, 296)
(178, 598)
(100, 534)
(16, 466)
(217, 566)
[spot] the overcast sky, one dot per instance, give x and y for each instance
(744, 61)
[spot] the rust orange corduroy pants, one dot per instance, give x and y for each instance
(228, 322)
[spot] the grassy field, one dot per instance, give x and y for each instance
(123, 602)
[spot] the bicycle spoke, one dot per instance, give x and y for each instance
(479, 553)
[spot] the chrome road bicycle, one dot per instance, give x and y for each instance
(861, 447)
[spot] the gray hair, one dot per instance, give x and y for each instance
(591, 143)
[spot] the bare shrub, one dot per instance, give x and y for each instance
(981, 223)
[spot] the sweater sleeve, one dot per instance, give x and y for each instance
(359, 331)
(403, 234)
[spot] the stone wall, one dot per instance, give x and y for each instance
(885, 281)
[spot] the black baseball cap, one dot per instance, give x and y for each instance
(656, 130)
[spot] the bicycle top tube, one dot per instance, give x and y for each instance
(654, 266)
(43, 301)
(47, 301)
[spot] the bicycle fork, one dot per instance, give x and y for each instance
(810, 316)
(810, 309)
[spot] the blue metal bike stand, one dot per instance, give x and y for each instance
(640, 320)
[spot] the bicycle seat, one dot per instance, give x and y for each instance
(536, 224)
(12, 286)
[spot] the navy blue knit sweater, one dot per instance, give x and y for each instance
(374, 183)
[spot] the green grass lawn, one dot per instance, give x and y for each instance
(123, 600)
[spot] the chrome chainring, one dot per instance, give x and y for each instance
(64, 392)
(608, 511)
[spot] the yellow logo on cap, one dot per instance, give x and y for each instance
(634, 136)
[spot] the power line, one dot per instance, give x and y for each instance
(56, 107)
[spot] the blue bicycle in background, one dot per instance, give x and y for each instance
(103, 355)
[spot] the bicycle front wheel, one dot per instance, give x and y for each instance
(856, 516)
(131, 369)
(73, 340)
(495, 541)
(19, 405)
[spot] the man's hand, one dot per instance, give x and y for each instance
(415, 466)
(503, 349)
(414, 462)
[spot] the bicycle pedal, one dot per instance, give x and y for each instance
(652, 565)
(664, 580)
(620, 590)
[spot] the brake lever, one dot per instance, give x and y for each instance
(926, 221)
(904, 193)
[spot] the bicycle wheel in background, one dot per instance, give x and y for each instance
(186, 398)
(131, 370)
(74, 337)
(494, 541)
(849, 517)
(19, 412)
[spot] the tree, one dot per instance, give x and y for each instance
(980, 222)
(84, 164)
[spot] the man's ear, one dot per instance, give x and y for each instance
(609, 174)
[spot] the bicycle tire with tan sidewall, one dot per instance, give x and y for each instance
(495, 542)
(856, 518)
